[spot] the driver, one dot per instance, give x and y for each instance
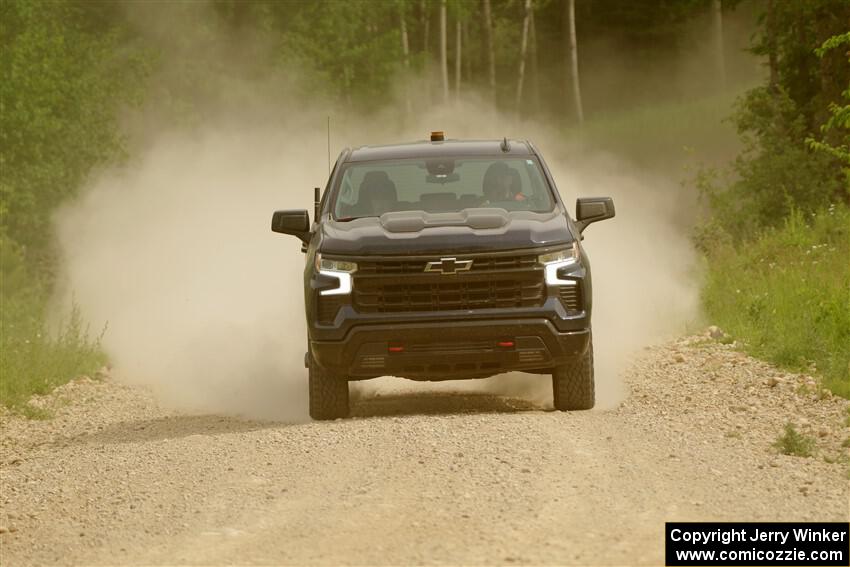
(502, 183)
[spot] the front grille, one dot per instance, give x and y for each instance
(451, 347)
(377, 296)
(372, 361)
(571, 297)
(532, 356)
(493, 281)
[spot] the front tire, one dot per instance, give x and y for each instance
(573, 385)
(328, 394)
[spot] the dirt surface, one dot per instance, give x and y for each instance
(422, 478)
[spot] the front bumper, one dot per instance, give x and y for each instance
(430, 343)
(450, 349)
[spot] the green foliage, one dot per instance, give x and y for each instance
(354, 47)
(793, 443)
(839, 121)
(35, 361)
(834, 42)
(786, 294)
(789, 35)
(62, 87)
(778, 170)
(646, 25)
(775, 172)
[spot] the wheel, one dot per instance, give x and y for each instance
(572, 383)
(328, 394)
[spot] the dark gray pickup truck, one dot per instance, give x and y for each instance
(445, 260)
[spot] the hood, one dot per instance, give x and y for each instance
(470, 230)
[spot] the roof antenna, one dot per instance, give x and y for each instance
(329, 144)
(506, 147)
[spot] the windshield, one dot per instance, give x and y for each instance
(440, 185)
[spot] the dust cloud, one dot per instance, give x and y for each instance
(204, 304)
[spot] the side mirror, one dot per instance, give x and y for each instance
(593, 209)
(294, 222)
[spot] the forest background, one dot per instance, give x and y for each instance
(665, 84)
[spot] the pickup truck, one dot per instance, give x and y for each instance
(445, 260)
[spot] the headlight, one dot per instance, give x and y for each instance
(339, 269)
(554, 261)
(564, 257)
(326, 264)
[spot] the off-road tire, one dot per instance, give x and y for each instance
(328, 394)
(572, 383)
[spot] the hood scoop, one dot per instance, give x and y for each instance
(415, 221)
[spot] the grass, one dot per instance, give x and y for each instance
(35, 361)
(786, 295)
(33, 358)
(793, 443)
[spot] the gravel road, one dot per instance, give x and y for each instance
(422, 478)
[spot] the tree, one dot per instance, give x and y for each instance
(570, 23)
(487, 26)
(534, 63)
(839, 119)
(405, 50)
(467, 60)
(425, 25)
(769, 45)
(458, 56)
(444, 63)
(717, 28)
(523, 50)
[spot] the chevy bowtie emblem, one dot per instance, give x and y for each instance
(448, 266)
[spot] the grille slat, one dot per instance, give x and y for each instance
(480, 264)
(571, 297)
(451, 347)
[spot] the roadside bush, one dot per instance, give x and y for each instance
(785, 295)
(34, 358)
(776, 172)
(794, 443)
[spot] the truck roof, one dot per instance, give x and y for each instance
(445, 148)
